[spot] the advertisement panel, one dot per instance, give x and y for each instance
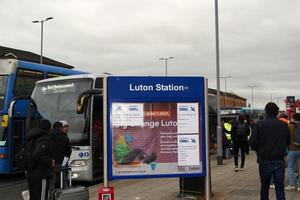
(159, 135)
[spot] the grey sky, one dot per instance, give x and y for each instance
(259, 39)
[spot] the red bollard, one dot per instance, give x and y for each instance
(106, 193)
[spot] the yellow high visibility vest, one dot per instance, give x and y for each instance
(228, 127)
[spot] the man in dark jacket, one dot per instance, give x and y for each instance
(270, 139)
(61, 148)
(239, 135)
(38, 177)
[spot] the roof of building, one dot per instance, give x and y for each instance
(214, 92)
(6, 52)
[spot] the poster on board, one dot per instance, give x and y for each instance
(156, 138)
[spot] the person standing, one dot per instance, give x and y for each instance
(60, 149)
(239, 136)
(293, 154)
(270, 139)
(38, 178)
(61, 142)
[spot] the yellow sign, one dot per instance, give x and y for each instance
(4, 122)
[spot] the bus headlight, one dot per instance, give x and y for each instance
(78, 163)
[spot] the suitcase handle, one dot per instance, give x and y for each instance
(62, 170)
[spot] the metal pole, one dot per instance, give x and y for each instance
(42, 27)
(219, 130)
(42, 34)
(105, 132)
(225, 84)
(166, 62)
(252, 87)
(208, 171)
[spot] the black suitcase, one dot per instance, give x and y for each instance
(69, 193)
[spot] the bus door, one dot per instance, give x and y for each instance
(17, 128)
(97, 137)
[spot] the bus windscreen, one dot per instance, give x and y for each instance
(56, 100)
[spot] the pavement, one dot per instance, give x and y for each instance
(226, 185)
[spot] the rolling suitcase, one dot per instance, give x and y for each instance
(69, 193)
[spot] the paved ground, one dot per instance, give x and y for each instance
(226, 185)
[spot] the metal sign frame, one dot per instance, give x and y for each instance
(157, 90)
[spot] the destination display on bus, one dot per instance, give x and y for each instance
(158, 136)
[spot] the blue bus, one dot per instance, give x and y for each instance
(17, 80)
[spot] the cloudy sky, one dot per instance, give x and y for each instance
(259, 39)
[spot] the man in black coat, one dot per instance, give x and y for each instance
(239, 135)
(270, 139)
(38, 177)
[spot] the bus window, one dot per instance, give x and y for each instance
(3, 82)
(99, 83)
(51, 75)
(25, 81)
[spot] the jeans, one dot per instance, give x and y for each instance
(267, 169)
(293, 157)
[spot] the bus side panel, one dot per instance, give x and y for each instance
(4, 161)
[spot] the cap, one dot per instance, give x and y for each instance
(64, 123)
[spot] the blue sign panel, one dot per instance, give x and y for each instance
(156, 127)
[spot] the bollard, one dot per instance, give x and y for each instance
(106, 193)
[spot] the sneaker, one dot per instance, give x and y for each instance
(298, 189)
(236, 169)
(290, 187)
(242, 169)
(272, 186)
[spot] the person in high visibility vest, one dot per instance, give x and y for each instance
(227, 127)
(225, 142)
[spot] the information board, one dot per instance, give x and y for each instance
(156, 127)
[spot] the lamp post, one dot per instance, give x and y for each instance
(219, 130)
(166, 60)
(252, 87)
(225, 80)
(42, 27)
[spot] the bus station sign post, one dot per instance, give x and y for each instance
(156, 127)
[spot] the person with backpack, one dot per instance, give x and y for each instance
(239, 136)
(294, 154)
(39, 175)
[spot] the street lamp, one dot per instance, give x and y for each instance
(219, 129)
(42, 27)
(225, 79)
(252, 87)
(166, 59)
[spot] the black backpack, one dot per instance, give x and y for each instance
(24, 157)
(241, 130)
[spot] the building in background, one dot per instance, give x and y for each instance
(7, 53)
